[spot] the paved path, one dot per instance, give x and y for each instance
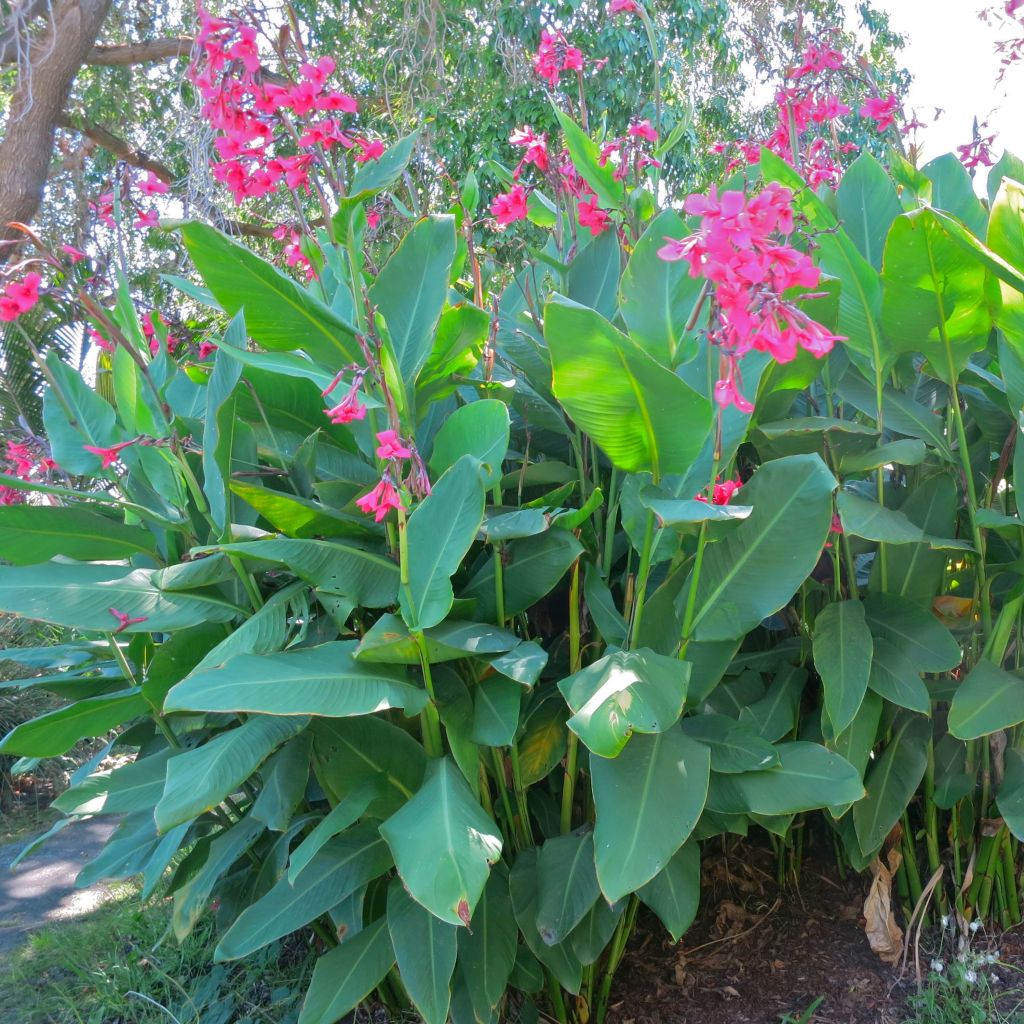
(41, 888)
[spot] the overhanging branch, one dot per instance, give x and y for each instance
(140, 53)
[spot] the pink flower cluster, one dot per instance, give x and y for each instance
(149, 329)
(385, 496)
(977, 152)
(19, 296)
(623, 7)
(881, 110)
(555, 55)
(349, 408)
(103, 207)
(27, 460)
(742, 248)
(722, 492)
(258, 120)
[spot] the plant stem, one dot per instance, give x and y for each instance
(572, 745)
(429, 717)
(931, 820)
(643, 573)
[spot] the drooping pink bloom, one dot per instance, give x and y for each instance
(818, 58)
(882, 111)
(727, 393)
(390, 446)
(21, 458)
(151, 185)
(623, 7)
(125, 620)
(372, 219)
(206, 349)
(380, 500)
(369, 149)
(75, 255)
(109, 455)
(591, 216)
(555, 55)
(536, 149)
(338, 101)
(99, 341)
(722, 492)
(149, 219)
(509, 206)
(643, 130)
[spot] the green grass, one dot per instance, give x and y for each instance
(967, 995)
(120, 965)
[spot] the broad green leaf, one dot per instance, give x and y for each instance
(133, 787)
(80, 596)
(346, 975)
(808, 777)
(634, 838)
(425, 949)
(644, 417)
(352, 807)
(892, 782)
(689, 511)
(1010, 798)
(559, 959)
(953, 191)
(284, 783)
(390, 641)
(592, 935)
(857, 741)
(443, 844)
(199, 779)
(865, 518)
(543, 741)
(936, 301)
(622, 693)
(593, 276)
(368, 578)
(533, 566)
(674, 892)
(735, 746)
(411, 289)
(496, 704)
(1009, 165)
(989, 699)
(347, 751)
(897, 679)
(523, 664)
(480, 429)
(842, 656)
(487, 948)
(908, 452)
(177, 656)
(374, 175)
(755, 569)
(192, 898)
(657, 296)
(74, 415)
(916, 571)
(440, 531)
(344, 864)
(279, 314)
(952, 782)
(58, 731)
(916, 632)
(566, 884)
(602, 608)
(324, 680)
(261, 633)
(867, 205)
(37, 533)
(775, 714)
(1007, 273)
(586, 158)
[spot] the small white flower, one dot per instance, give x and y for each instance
(992, 958)
(938, 966)
(970, 976)
(994, 978)
(945, 921)
(975, 925)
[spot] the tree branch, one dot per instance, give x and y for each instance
(12, 35)
(140, 53)
(136, 157)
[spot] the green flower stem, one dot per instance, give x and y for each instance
(499, 572)
(609, 527)
(557, 1000)
(642, 576)
(429, 718)
(506, 803)
(931, 820)
(1009, 879)
(910, 860)
(520, 793)
(988, 877)
(572, 745)
(615, 953)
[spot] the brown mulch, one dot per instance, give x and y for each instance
(756, 954)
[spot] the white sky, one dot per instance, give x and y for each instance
(949, 51)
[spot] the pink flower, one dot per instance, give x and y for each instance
(380, 500)
(347, 410)
(206, 349)
(124, 620)
(509, 206)
(75, 255)
(337, 101)
(721, 493)
(391, 447)
(555, 55)
(151, 185)
(592, 217)
(99, 341)
(623, 7)
(643, 130)
(150, 219)
(368, 150)
(109, 455)
(727, 393)
(882, 111)
(536, 147)
(818, 58)
(19, 296)
(372, 219)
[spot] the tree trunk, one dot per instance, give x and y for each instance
(42, 90)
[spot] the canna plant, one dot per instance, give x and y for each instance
(448, 610)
